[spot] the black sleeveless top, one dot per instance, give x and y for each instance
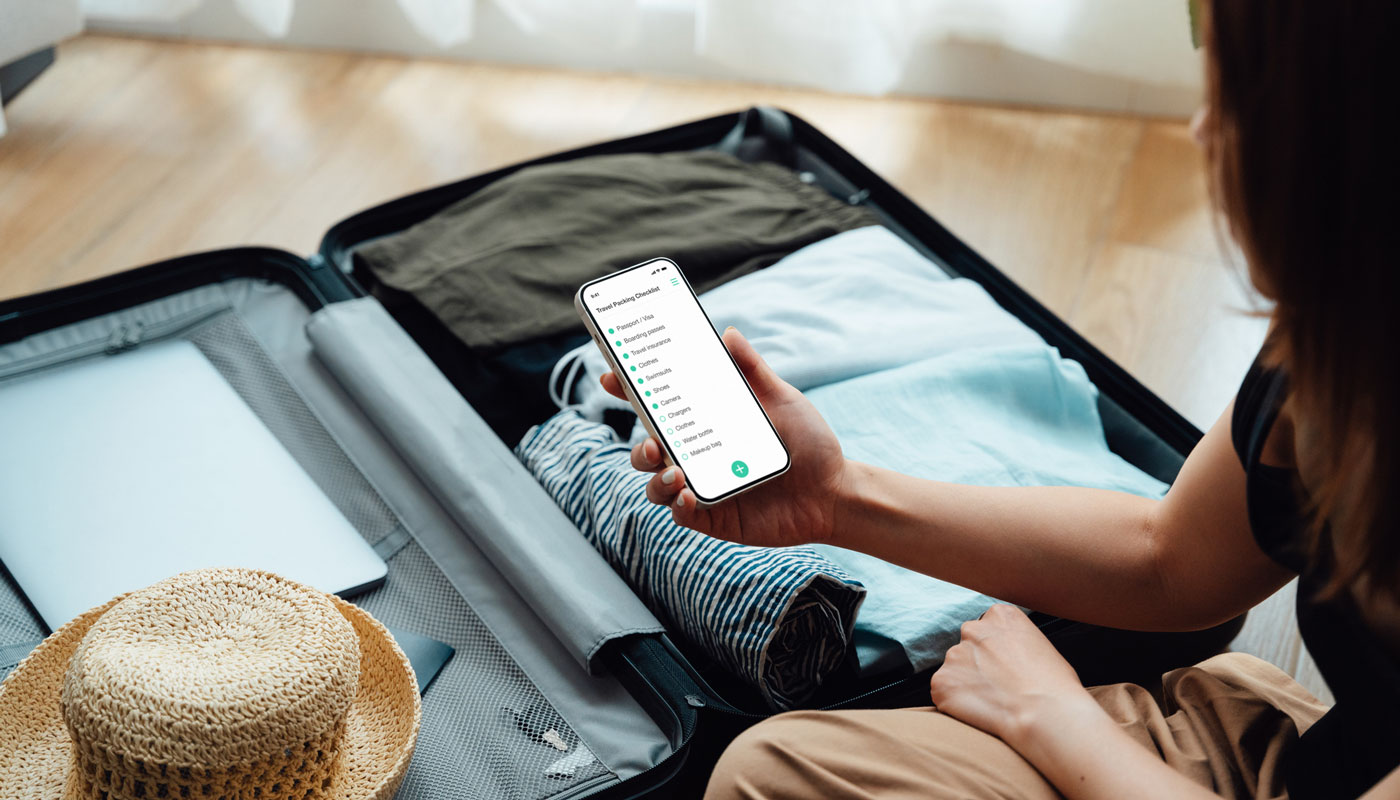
(1357, 742)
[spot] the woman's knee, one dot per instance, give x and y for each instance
(899, 753)
(755, 764)
(772, 759)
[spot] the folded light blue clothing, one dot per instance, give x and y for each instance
(917, 372)
(854, 303)
(1004, 416)
(779, 618)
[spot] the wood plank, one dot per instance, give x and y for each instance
(1180, 324)
(1164, 203)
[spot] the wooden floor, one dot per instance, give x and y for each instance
(129, 151)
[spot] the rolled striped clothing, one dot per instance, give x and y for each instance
(779, 618)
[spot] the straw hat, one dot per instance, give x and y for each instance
(216, 683)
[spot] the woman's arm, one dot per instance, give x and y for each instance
(1110, 558)
(1005, 678)
(1387, 789)
(1187, 561)
(1083, 752)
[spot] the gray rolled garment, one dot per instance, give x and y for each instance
(780, 618)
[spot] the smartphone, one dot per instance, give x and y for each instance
(681, 380)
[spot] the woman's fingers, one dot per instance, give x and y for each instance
(687, 513)
(665, 485)
(667, 488)
(646, 457)
(761, 377)
(612, 385)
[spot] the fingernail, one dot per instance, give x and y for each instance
(730, 328)
(680, 500)
(669, 476)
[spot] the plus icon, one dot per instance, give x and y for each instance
(739, 468)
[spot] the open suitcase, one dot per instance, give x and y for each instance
(562, 683)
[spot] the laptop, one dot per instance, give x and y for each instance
(118, 471)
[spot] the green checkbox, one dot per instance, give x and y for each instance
(676, 443)
(639, 380)
(618, 343)
(634, 369)
(670, 430)
(610, 330)
(624, 355)
(653, 405)
(648, 393)
(685, 456)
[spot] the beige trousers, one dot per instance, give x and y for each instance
(1224, 723)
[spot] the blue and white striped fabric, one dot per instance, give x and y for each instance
(780, 618)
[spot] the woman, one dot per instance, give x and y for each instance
(1298, 477)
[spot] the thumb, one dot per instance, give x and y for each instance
(761, 377)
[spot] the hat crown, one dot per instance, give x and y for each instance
(213, 673)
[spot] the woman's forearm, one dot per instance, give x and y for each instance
(1086, 554)
(1084, 754)
(1187, 561)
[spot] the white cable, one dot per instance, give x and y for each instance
(574, 361)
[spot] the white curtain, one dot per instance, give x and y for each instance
(866, 46)
(1123, 55)
(444, 23)
(272, 17)
(862, 46)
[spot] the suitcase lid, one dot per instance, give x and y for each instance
(315, 286)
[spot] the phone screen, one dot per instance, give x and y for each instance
(659, 339)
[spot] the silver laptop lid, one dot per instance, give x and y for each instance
(118, 471)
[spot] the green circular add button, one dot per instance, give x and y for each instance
(739, 468)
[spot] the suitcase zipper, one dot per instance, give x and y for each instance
(124, 336)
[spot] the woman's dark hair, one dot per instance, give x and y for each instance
(1303, 143)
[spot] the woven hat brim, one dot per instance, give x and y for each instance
(36, 754)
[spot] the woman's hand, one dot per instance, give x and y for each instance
(1005, 678)
(795, 508)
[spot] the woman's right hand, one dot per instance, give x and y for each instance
(795, 508)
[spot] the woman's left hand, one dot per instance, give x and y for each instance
(1004, 677)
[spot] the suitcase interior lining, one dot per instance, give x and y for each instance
(228, 344)
(487, 723)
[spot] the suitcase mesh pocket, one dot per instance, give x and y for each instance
(236, 354)
(487, 731)
(19, 629)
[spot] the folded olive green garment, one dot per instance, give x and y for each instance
(501, 267)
